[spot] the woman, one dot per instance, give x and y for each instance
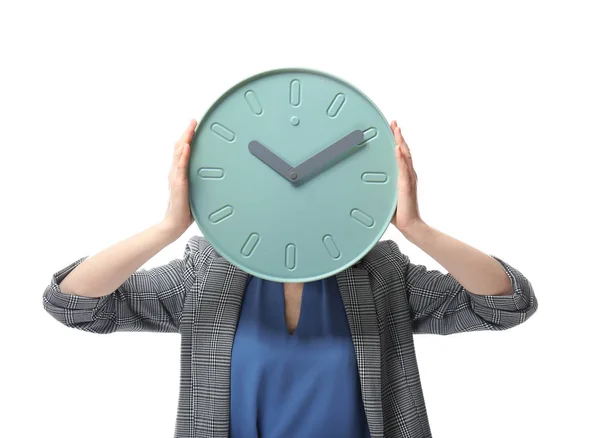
(329, 358)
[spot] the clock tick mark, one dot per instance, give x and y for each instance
(253, 102)
(221, 214)
(290, 256)
(362, 217)
(331, 247)
(295, 93)
(250, 244)
(223, 132)
(294, 120)
(211, 172)
(336, 105)
(369, 134)
(374, 177)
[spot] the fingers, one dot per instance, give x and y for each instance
(188, 134)
(177, 152)
(402, 164)
(400, 140)
(403, 147)
(178, 172)
(182, 146)
(183, 158)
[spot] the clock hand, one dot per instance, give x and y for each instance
(272, 160)
(326, 156)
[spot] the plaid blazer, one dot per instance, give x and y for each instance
(386, 298)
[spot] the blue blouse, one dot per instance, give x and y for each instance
(304, 384)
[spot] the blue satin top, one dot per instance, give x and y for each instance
(304, 384)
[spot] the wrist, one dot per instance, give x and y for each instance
(414, 231)
(169, 231)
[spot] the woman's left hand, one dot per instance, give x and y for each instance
(407, 211)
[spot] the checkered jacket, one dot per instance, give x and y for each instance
(386, 298)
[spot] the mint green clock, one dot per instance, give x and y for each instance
(292, 175)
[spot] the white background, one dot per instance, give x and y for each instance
(499, 102)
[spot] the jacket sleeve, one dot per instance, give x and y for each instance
(149, 300)
(439, 304)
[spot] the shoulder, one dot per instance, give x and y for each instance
(200, 250)
(383, 250)
(384, 254)
(385, 267)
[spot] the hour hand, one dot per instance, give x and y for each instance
(272, 160)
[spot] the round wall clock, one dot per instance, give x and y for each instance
(292, 175)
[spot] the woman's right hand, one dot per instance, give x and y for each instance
(179, 217)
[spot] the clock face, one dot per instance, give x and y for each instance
(292, 175)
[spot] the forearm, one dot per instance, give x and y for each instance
(475, 270)
(102, 273)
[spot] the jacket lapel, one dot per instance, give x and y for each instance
(215, 322)
(355, 289)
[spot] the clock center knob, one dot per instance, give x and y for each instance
(293, 175)
(294, 120)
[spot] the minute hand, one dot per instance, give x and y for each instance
(326, 156)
